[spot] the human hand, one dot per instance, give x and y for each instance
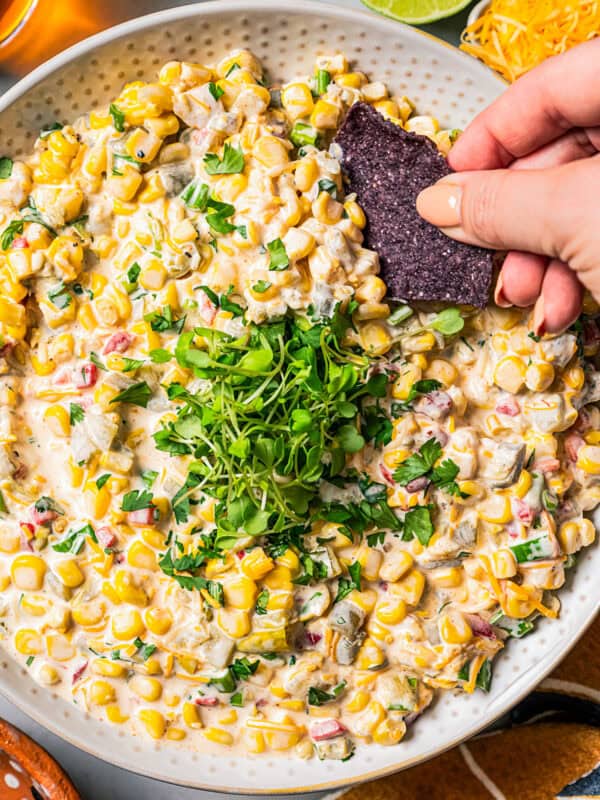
(536, 188)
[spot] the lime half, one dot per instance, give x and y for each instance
(417, 12)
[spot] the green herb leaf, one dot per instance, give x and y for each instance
(137, 500)
(118, 117)
(138, 395)
(76, 413)
(278, 257)
(236, 700)
(133, 273)
(96, 361)
(261, 602)
(260, 287)
(75, 540)
(215, 90)
(243, 668)
(130, 364)
(418, 524)
(329, 186)
(231, 163)
(318, 696)
(144, 650)
(347, 585)
(160, 355)
(444, 477)
(60, 296)
(449, 321)
(419, 463)
(350, 439)
(47, 504)
(102, 480)
(6, 167)
(13, 229)
(149, 476)
(195, 195)
(161, 321)
(54, 126)
(420, 388)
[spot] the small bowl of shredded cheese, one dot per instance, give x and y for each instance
(513, 36)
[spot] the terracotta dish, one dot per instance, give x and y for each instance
(28, 772)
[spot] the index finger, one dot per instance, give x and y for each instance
(560, 94)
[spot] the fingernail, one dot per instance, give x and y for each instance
(499, 297)
(440, 204)
(539, 320)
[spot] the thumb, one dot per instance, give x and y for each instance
(539, 211)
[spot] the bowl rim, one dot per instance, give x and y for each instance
(211, 8)
(477, 11)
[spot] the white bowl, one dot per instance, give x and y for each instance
(477, 11)
(443, 82)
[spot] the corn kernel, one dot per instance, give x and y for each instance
(128, 591)
(28, 642)
(358, 701)
(390, 613)
(375, 338)
(102, 693)
(454, 629)
(158, 620)
(325, 115)
(509, 374)
(410, 588)
(27, 572)
(496, 509)
(574, 535)
(270, 152)
(327, 210)
(191, 715)
(240, 592)
(153, 721)
(389, 732)
(503, 563)
(256, 564)
(127, 624)
(305, 174)
(57, 418)
(108, 668)
(297, 100)
(219, 736)
(426, 126)
(538, 377)
(68, 572)
(233, 622)
(149, 689)
(588, 459)
(141, 556)
(114, 715)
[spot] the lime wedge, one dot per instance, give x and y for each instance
(417, 12)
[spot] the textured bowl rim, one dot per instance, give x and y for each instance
(211, 8)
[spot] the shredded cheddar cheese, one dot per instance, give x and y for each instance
(513, 36)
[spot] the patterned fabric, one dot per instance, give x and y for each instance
(547, 748)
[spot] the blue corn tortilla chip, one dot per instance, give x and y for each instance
(387, 167)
